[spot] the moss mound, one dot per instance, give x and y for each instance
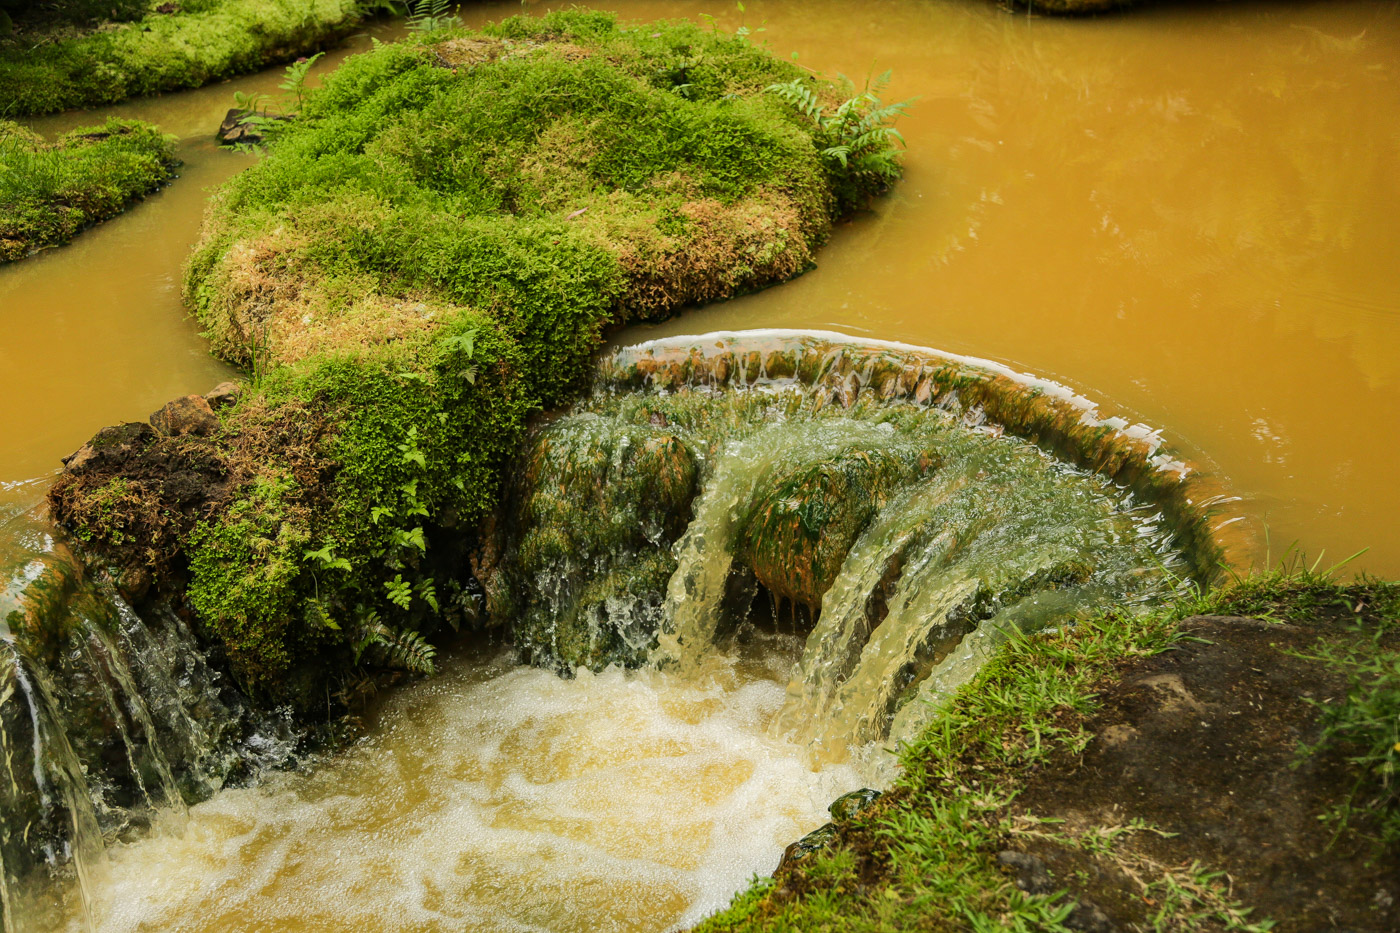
(51, 191)
(193, 44)
(426, 256)
(799, 531)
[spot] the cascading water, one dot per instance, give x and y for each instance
(107, 721)
(894, 494)
(906, 511)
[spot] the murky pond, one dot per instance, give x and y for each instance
(1186, 213)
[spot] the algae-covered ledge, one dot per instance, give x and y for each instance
(427, 256)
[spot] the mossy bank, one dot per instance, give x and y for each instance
(167, 46)
(426, 257)
(51, 191)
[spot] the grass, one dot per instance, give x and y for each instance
(205, 41)
(51, 191)
(924, 857)
(427, 256)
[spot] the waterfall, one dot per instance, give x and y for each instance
(109, 724)
(922, 508)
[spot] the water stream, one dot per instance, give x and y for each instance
(1187, 210)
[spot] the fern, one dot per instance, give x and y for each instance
(857, 139)
(400, 591)
(403, 648)
(431, 15)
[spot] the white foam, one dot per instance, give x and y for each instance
(499, 799)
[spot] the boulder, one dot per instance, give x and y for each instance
(189, 414)
(806, 516)
(110, 446)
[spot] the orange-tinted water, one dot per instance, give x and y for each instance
(1188, 212)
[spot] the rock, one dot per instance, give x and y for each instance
(244, 127)
(1088, 918)
(1031, 874)
(223, 395)
(804, 848)
(189, 414)
(848, 805)
(110, 446)
(806, 517)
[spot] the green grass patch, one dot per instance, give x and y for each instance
(924, 857)
(203, 41)
(50, 191)
(427, 255)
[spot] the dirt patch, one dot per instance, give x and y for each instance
(1201, 743)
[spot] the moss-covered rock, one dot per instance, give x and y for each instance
(804, 521)
(51, 191)
(599, 507)
(428, 255)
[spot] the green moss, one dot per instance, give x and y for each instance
(428, 255)
(204, 42)
(599, 509)
(798, 532)
(49, 192)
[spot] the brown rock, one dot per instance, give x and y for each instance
(189, 414)
(110, 446)
(223, 395)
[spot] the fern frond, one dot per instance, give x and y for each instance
(403, 648)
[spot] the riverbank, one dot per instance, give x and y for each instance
(188, 45)
(1139, 772)
(51, 191)
(429, 254)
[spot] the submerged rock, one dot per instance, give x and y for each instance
(590, 554)
(804, 522)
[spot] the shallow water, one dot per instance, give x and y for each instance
(500, 798)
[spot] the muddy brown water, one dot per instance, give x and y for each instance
(1187, 213)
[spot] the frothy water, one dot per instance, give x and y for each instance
(500, 798)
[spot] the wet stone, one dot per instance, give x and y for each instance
(848, 805)
(808, 845)
(189, 414)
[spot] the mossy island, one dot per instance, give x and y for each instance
(428, 255)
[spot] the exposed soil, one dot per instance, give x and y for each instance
(1202, 742)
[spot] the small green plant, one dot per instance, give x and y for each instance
(403, 648)
(294, 80)
(857, 138)
(431, 15)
